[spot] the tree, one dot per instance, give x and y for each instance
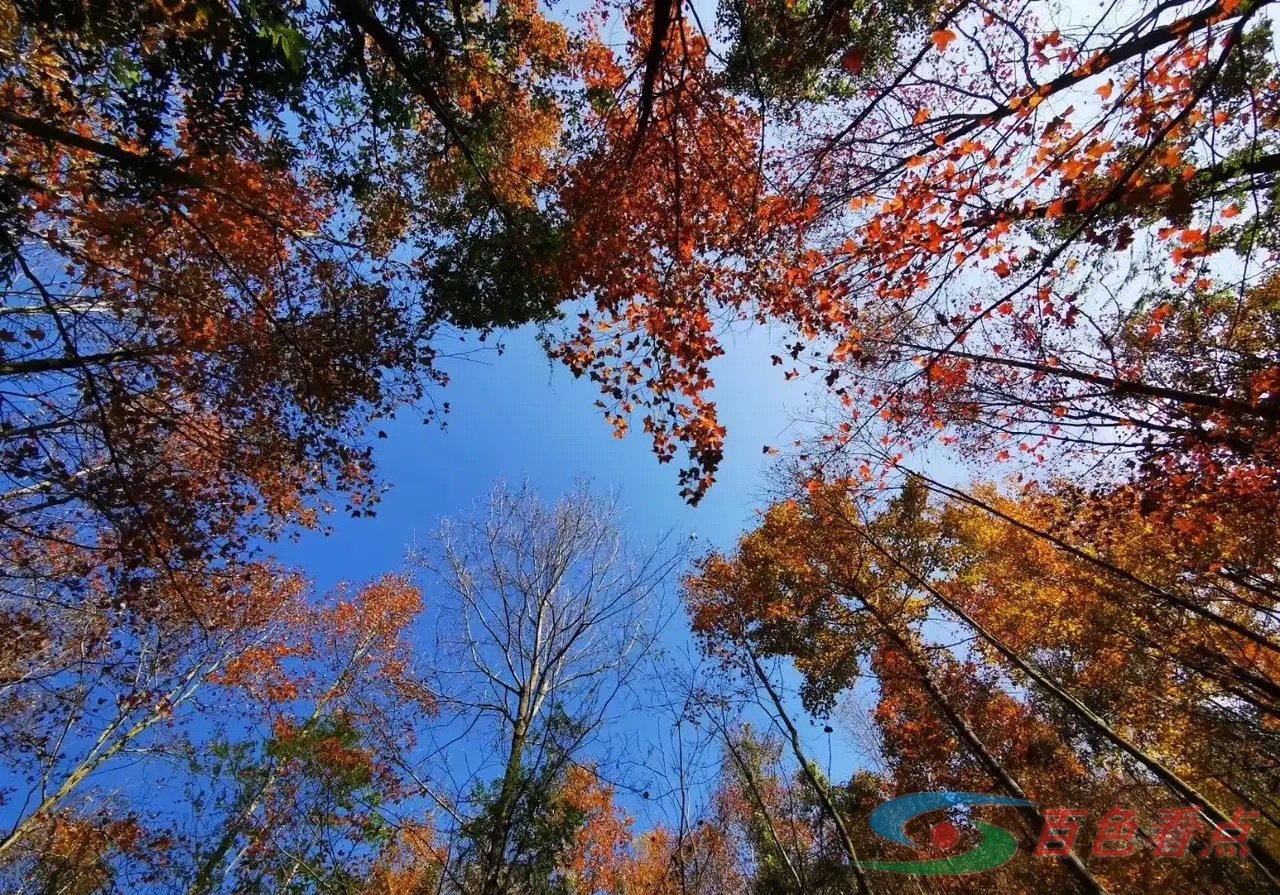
(261, 730)
(668, 226)
(229, 236)
(1018, 239)
(832, 589)
(795, 53)
(93, 683)
(206, 215)
(312, 791)
(545, 622)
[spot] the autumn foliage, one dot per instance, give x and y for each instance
(1098, 664)
(1024, 256)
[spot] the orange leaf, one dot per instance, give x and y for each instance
(853, 60)
(943, 39)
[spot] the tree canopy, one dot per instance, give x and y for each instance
(1034, 241)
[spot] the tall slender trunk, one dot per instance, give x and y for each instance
(78, 361)
(207, 876)
(1162, 772)
(509, 792)
(758, 798)
(1119, 386)
(1084, 878)
(104, 749)
(797, 748)
(1171, 598)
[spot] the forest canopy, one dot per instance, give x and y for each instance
(1030, 244)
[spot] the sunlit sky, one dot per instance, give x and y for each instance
(519, 415)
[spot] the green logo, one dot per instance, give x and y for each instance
(891, 818)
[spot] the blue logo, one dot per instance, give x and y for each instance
(891, 818)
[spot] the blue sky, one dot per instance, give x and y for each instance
(520, 414)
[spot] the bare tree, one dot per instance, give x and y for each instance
(545, 616)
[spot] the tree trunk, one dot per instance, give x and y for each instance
(1086, 881)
